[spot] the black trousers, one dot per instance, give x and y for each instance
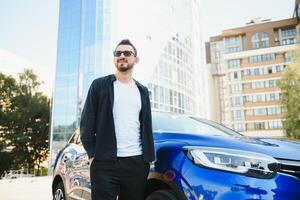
(126, 178)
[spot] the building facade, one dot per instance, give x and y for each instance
(246, 63)
(166, 34)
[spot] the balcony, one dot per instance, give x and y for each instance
(262, 117)
(263, 76)
(264, 103)
(260, 90)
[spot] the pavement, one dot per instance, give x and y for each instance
(34, 188)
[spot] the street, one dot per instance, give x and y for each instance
(36, 188)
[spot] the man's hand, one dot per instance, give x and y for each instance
(91, 160)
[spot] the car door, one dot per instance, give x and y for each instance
(72, 166)
(83, 172)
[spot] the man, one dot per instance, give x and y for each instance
(116, 130)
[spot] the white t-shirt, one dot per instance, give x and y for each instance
(126, 110)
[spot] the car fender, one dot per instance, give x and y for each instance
(169, 180)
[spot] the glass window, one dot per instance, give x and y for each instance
(232, 49)
(258, 98)
(274, 111)
(236, 101)
(288, 41)
(233, 44)
(236, 88)
(264, 36)
(265, 44)
(287, 57)
(260, 84)
(256, 36)
(256, 71)
(272, 97)
(260, 40)
(275, 125)
(248, 72)
(272, 83)
(262, 58)
(259, 126)
(232, 41)
(239, 127)
(238, 115)
(289, 32)
(234, 63)
(255, 45)
(278, 68)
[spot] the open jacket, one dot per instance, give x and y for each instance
(97, 130)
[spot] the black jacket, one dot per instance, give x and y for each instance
(97, 130)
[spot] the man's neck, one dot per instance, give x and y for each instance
(124, 77)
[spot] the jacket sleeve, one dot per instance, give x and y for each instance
(150, 134)
(88, 121)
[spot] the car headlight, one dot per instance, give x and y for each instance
(236, 161)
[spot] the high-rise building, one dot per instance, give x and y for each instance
(167, 37)
(246, 63)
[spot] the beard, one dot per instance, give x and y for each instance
(123, 67)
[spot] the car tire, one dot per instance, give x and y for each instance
(59, 192)
(162, 195)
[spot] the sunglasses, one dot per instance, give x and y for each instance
(125, 53)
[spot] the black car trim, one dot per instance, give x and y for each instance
(155, 176)
(291, 167)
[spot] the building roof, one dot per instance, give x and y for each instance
(258, 25)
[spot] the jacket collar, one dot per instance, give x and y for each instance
(112, 78)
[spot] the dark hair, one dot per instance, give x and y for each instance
(127, 42)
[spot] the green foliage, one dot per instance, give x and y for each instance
(290, 86)
(24, 121)
(5, 158)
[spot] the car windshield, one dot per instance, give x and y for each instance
(164, 122)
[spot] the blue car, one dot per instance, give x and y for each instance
(197, 159)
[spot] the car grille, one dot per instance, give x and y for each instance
(291, 167)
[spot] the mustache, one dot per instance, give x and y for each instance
(121, 59)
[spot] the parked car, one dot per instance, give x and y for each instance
(14, 174)
(196, 159)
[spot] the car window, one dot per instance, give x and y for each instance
(221, 127)
(74, 137)
(163, 122)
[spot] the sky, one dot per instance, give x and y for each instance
(220, 15)
(28, 36)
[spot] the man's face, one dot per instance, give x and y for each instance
(125, 62)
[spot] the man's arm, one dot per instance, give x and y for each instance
(87, 122)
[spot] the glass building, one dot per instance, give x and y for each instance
(167, 35)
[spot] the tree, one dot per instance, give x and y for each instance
(5, 158)
(8, 88)
(290, 86)
(24, 120)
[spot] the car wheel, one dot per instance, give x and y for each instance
(59, 193)
(162, 195)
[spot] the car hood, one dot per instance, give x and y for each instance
(277, 148)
